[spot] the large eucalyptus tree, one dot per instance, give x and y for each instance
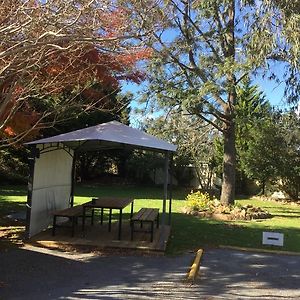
(202, 51)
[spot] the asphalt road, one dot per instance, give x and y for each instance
(224, 274)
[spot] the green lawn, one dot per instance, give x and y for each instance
(188, 232)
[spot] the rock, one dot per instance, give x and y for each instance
(278, 195)
(216, 203)
(243, 213)
(202, 214)
(218, 210)
(221, 217)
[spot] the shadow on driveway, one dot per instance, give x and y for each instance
(224, 274)
(228, 274)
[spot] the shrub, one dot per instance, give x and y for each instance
(198, 201)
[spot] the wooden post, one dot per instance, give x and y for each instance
(163, 219)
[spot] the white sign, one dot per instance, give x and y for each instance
(272, 238)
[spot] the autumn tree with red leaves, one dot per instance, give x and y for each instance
(48, 48)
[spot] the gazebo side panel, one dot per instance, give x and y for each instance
(51, 187)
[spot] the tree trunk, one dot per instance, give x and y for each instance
(229, 160)
(198, 174)
(229, 163)
(263, 187)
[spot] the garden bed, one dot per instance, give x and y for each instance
(202, 205)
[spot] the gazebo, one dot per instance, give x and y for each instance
(52, 167)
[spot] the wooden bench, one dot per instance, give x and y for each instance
(73, 213)
(145, 215)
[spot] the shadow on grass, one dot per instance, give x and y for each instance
(13, 190)
(286, 211)
(294, 215)
(188, 232)
(137, 192)
(191, 233)
(12, 228)
(11, 207)
(11, 237)
(12, 232)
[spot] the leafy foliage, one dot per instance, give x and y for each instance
(271, 152)
(52, 47)
(202, 50)
(198, 201)
(89, 165)
(266, 142)
(252, 111)
(142, 166)
(194, 139)
(13, 165)
(289, 169)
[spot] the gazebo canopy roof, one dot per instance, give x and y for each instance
(111, 135)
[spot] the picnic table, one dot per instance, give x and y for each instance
(73, 213)
(108, 203)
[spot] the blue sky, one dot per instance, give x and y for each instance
(273, 91)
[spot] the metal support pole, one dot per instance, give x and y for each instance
(163, 219)
(33, 155)
(73, 179)
(171, 188)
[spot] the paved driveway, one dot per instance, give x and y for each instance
(228, 274)
(225, 274)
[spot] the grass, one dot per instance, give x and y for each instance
(12, 199)
(144, 196)
(204, 232)
(189, 233)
